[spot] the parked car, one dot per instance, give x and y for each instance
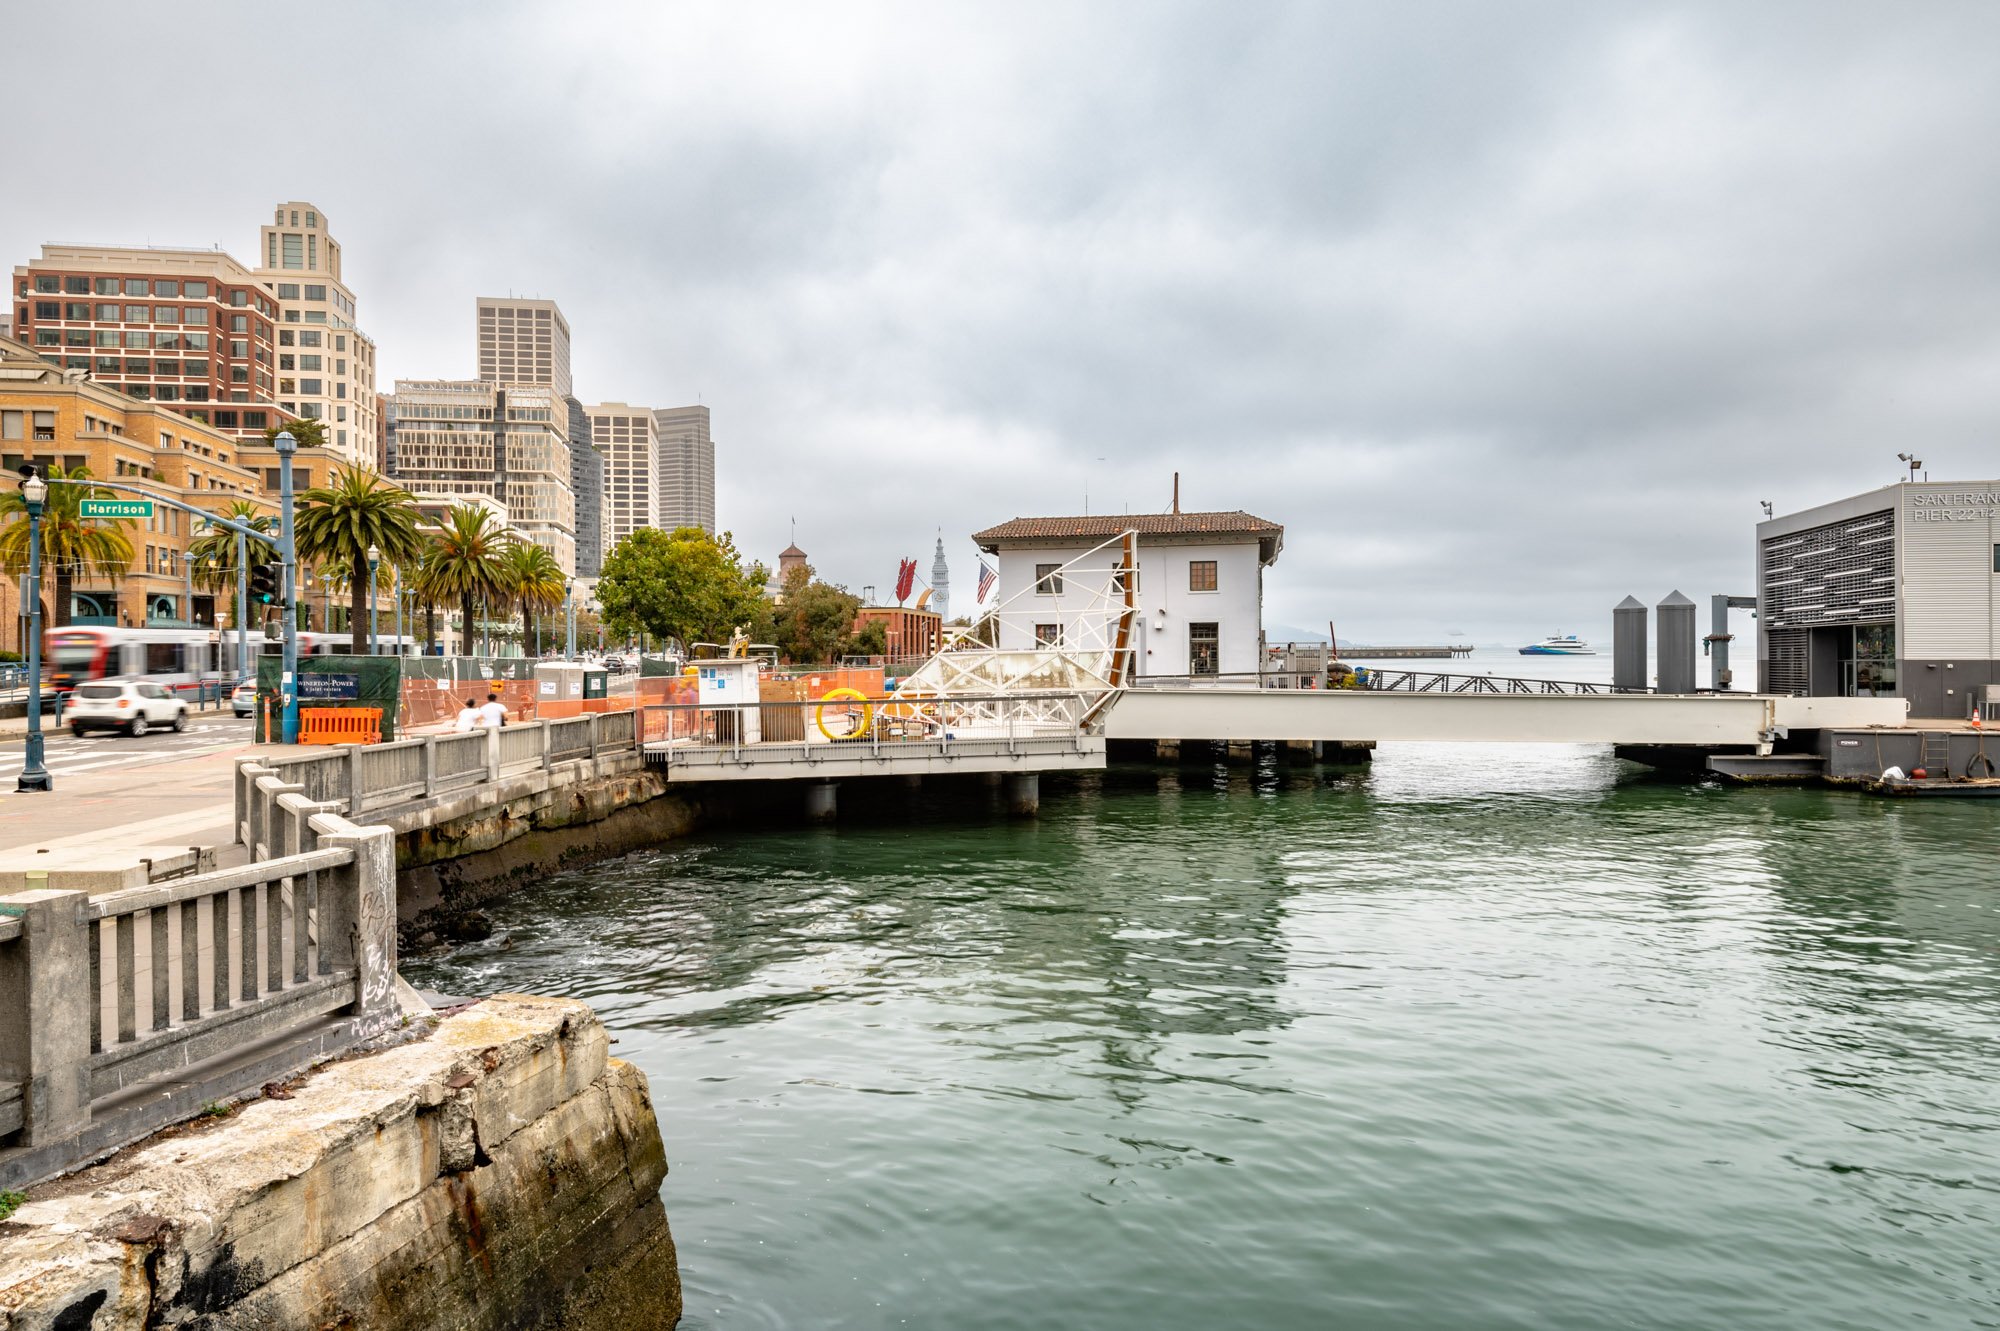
(131, 705)
(243, 698)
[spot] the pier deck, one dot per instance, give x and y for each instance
(899, 736)
(1504, 718)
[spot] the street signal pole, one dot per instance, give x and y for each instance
(288, 683)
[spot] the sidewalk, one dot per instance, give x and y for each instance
(125, 814)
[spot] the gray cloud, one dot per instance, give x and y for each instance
(1504, 310)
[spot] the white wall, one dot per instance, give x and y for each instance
(1950, 608)
(1166, 604)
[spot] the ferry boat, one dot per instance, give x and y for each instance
(1554, 646)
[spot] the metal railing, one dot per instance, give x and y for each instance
(1375, 679)
(114, 995)
(1416, 681)
(820, 730)
(377, 778)
(365, 778)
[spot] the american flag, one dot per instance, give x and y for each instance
(987, 577)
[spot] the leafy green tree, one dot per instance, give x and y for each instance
(71, 543)
(535, 581)
(213, 553)
(871, 639)
(305, 433)
(681, 584)
(814, 618)
(464, 564)
(334, 524)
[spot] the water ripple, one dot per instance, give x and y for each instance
(1474, 1039)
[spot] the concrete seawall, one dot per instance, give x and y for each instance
(457, 851)
(501, 1172)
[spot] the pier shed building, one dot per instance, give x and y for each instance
(1892, 593)
(1200, 591)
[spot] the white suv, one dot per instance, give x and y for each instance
(131, 705)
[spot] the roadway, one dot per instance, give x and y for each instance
(165, 789)
(101, 750)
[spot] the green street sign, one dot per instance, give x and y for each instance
(117, 508)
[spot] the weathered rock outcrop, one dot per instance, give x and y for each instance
(502, 1172)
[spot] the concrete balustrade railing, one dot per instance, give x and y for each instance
(360, 778)
(125, 1012)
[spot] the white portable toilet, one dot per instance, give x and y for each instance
(730, 681)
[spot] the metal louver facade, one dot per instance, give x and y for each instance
(1840, 573)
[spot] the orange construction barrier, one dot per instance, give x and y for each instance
(340, 725)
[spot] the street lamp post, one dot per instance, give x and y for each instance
(374, 561)
(396, 571)
(288, 684)
(34, 776)
(242, 608)
(569, 614)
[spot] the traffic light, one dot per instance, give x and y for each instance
(267, 583)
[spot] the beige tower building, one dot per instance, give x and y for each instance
(466, 438)
(523, 342)
(625, 435)
(685, 468)
(326, 364)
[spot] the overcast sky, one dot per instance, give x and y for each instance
(1503, 310)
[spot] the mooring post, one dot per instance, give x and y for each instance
(1677, 644)
(1024, 794)
(1628, 645)
(822, 801)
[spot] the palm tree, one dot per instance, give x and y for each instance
(71, 543)
(464, 563)
(414, 578)
(337, 523)
(213, 553)
(535, 581)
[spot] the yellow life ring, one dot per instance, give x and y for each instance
(834, 695)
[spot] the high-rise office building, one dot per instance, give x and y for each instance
(191, 330)
(625, 436)
(385, 432)
(506, 442)
(686, 468)
(586, 482)
(326, 364)
(523, 342)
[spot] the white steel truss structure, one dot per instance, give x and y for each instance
(1095, 602)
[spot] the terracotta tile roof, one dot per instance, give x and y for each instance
(1146, 524)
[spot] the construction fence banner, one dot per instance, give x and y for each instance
(331, 681)
(436, 688)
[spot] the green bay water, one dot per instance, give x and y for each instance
(1472, 1038)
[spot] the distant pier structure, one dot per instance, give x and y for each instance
(1352, 653)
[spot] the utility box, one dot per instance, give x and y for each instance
(1677, 644)
(559, 681)
(729, 682)
(596, 684)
